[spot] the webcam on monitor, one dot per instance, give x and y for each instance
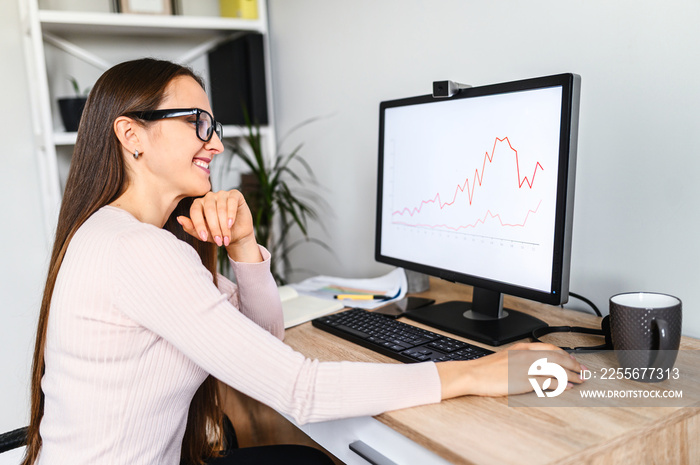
(445, 89)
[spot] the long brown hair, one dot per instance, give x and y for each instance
(98, 175)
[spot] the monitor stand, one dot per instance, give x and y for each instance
(483, 320)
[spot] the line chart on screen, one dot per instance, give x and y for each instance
(496, 200)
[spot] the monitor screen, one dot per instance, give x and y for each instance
(478, 188)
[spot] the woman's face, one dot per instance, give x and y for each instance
(177, 160)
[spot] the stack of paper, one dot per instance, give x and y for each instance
(393, 285)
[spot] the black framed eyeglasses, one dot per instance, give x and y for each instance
(205, 125)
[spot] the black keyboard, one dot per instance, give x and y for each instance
(400, 341)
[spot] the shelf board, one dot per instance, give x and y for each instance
(64, 138)
(124, 23)
(230, 132)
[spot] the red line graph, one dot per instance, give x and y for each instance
(478, 177)
(488, 214)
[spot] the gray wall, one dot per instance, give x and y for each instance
(24, 246)
(636, 220)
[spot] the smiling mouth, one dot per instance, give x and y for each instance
(202, 164)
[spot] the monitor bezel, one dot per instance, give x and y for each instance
(561, 257)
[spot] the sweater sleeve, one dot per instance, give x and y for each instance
(161, 283)
(257, 299)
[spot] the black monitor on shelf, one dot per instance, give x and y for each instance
(478, 188)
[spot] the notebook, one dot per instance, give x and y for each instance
(299, 308)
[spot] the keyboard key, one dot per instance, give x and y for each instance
(353, 331)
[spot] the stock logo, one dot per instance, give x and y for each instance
(549, 370)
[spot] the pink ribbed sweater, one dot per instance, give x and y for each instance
(135, 326)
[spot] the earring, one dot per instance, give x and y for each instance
(136, 154)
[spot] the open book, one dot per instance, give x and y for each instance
(298, 308)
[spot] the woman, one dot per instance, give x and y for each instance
(134, 318)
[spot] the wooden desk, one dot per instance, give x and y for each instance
(472, 430)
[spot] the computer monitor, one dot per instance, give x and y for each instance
(478, 189)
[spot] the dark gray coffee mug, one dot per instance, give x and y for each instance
(645, 328)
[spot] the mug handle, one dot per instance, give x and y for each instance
(665, 351)
(662, 328)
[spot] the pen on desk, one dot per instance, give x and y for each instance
(361, 297)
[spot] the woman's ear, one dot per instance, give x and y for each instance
(127, 132)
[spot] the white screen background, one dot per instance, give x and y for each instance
(469, 185)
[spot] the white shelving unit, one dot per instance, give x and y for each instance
(63, 31)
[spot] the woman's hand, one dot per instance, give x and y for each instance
(488, 376)
(224, 219)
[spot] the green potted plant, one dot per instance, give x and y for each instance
(277, 206)
(71, 108)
